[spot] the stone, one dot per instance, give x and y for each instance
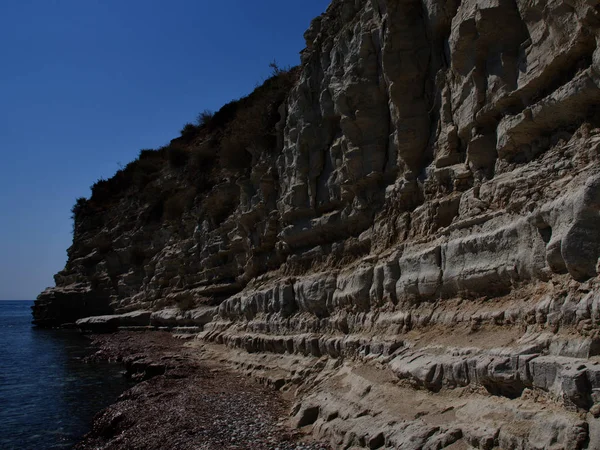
(113, 322)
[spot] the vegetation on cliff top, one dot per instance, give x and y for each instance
(216, 145)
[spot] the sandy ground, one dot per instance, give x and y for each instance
(182, 402)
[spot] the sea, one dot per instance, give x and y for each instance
(48, 394)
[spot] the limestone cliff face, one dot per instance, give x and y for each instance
(435, 168)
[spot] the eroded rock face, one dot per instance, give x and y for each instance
(436, 172)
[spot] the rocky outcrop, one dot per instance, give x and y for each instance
(430, 200)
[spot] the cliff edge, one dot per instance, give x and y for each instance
(404, 230)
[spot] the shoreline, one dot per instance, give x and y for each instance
(184, 401)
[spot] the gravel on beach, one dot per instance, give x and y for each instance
(183, 402)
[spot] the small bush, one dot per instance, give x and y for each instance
(147, 153)
(178, 156)
(137, 173)
(177, 204)
(204, 118)
(101, 190)
(188, 132)
(145, 170)
(277, 71)
(79, 208)
(201, 166)
(225, 115)
(149, 166)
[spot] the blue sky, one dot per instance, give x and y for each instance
(86, 84)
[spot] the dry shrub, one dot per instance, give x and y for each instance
(217, 146)
(189, 131)
(177, 204)
(200, 170)
(79, 208)
(204, 118)
(254, 120)
(178, 156)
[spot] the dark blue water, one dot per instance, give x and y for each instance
(48, 395)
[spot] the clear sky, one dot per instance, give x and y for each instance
(86, 84)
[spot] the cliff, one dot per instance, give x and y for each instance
(415, 207)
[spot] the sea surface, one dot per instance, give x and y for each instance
(48, 395)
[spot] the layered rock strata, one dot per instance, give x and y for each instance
(431, 207)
